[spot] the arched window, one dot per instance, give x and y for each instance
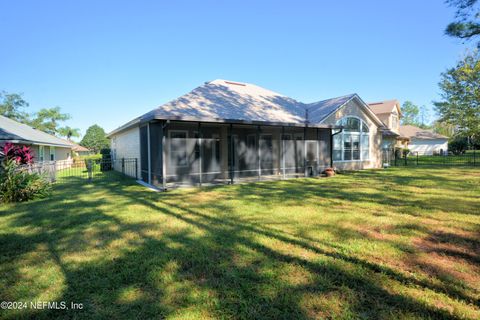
(353, 143)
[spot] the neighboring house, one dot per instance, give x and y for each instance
(423, 141)
(390, 113)
(79, 150)
(45, 147)
(225, 131)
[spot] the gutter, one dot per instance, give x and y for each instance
(35, 143)
(153, 117)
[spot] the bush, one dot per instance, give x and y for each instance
(106, 164)
(401, 152)
(21, 154)
(95, 158)
(17, 184)
(458, 145)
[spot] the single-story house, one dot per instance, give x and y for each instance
(79, 150)
(423, 141)
(45, 147)
(224, 131)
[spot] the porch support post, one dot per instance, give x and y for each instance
(318, 154)
(149, 155)
(200, 160)
(283, 151)
(331, 148)
(164, 157)
(259, 163)
(305, 169)
(232, 164)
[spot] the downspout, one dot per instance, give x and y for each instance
(331, 144)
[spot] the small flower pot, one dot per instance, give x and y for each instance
(329, 172)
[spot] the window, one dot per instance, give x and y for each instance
(353, 143)
(41, 153)
(394, 121)
(178, 148)
(52, 153)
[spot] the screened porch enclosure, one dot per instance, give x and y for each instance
(191, 153)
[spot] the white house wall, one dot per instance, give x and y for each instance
(428, 147)
(126, 144)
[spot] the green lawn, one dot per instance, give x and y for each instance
(399, 243)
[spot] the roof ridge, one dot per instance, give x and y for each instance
(339, 97)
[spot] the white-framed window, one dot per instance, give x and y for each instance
(353, 143)
(41, 153)
(178, 147)
(52, 153)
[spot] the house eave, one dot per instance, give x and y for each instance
(35, 143)
(154, 117)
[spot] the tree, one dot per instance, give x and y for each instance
(467, 25)
(47, 120)
(95, 139)
(443, 128)
(12, 105)
(460, 105)
(69, 132)
(410, 114)
(424, 114)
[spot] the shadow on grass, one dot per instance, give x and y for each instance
(221, 263)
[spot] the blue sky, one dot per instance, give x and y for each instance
(107, 62)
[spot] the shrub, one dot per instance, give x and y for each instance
(106, 164)
(95, 158)
(21, 154)
(17, 184)
(458, 145)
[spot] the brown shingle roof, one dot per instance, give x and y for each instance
(383, 107)
(419, 133)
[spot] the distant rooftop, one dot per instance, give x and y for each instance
(16, 132)
(419, 133)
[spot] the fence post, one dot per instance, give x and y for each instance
(54, 171)
(123, 165)
(89, 169)
(136, 168)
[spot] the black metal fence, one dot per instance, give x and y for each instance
(88, 170)
(397, 157)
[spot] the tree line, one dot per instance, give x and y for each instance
(459, 106)
(50, 120)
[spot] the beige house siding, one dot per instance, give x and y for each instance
(61, 153)
(353, 108)
(126, 144)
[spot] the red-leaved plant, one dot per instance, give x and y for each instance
(20, 154)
